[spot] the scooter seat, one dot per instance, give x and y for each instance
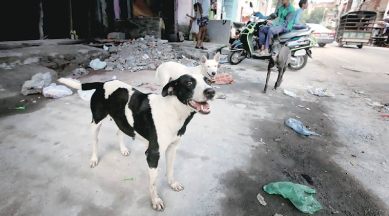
(294, 33)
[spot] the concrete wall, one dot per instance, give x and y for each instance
(184, 7)
(140, 27)
(219, 31)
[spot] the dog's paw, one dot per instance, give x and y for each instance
(176, 186)
(93, 162)
(158, 204)
(125, 151)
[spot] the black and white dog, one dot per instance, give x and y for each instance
(159, 120)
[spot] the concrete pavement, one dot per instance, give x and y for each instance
(224, 159)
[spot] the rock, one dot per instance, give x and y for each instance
(79, 72)
(31, 60)
(116, 35)
(36, 84)
(5, 66)
(83, 51)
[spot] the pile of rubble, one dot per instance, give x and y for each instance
(140, 54)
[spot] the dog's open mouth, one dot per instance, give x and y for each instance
(201, 107)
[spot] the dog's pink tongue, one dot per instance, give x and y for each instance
(200, 107)
(205, 108)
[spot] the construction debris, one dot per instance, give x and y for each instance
(140, 54)
(36, 84)
(79, 72)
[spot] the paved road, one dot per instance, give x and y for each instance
(225, 158)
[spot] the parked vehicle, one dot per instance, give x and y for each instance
(355, 28)
(322, 34)
(299, 41)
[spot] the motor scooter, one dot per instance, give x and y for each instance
(300, 43)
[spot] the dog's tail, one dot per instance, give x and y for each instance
(78, 85)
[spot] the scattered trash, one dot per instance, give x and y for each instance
(307, 178)
(105, 48)
(85, 95)
(96, 64)
(261, 199)
(385, 115)
(301, 106)
(351, 69)
(33, 101)
(79, 72)
(290, 93)
(333, 211)
(353, 155)
(307, 108)
(277, 139)
(221, 96)
(36, 84)
(223, 79)
(262, 142)
(358, 92)
(320, 92)
(375, 104)
(56, 91)
(276, 214)
(242, 106)
(129, 179)
(299, 127)
(23, 107)
(301, 196)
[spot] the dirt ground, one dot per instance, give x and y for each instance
(225, 158)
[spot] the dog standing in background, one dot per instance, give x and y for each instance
(172, 70)
(280, 57)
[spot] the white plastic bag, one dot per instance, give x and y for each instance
(56, 91)
(195, 27)
(85, 95)
(96, 64)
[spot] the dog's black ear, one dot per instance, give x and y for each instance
(169, 89)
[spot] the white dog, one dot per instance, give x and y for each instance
(172, 70)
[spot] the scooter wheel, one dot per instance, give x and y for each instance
(236, 57)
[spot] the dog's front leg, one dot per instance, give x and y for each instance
(170, 157)
(152, 160)
(95, 132)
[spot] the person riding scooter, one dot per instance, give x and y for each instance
(297, 24)
(283, 23)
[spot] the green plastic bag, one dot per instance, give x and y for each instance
(301, 196)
